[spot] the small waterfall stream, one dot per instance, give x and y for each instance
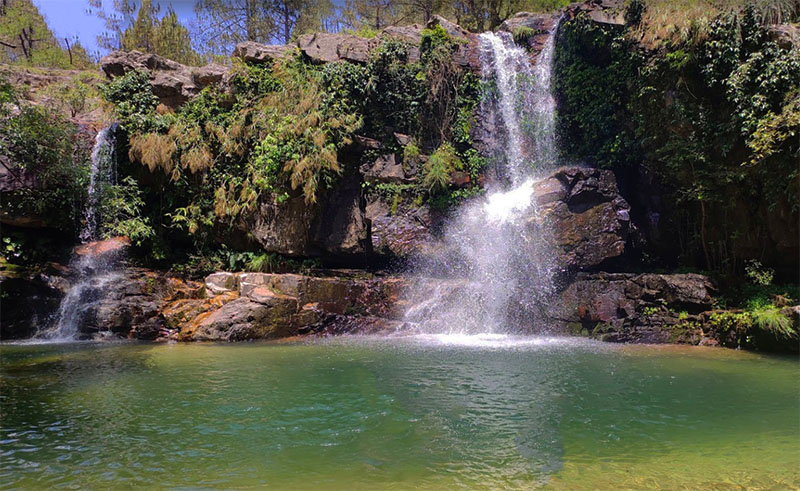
(93, 270)
(503, 277)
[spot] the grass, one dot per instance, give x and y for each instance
(769, 318)
(676, 21)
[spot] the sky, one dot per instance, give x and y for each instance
(70, 18)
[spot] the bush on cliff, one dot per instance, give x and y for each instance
(713, 114)
(46, 160)
(282, 132)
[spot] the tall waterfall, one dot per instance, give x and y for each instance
(93, 270)
(502, 276)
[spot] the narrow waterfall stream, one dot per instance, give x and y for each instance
(503, 275)
(93, 270)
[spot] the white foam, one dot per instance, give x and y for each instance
(503, 206)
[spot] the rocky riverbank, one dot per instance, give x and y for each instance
(593, 242)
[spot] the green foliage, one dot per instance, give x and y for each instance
(410, 152)
(769, 318)
(650, 311)
(27, 40)
(262, 263)
(37, 143)
(634, 12)
(713, 115)
(121, 208)
(276, 137)
(758, 274)
(592, 72)
(166, 36)
(134, 101)
(363, 31)
(439, 167)
(72, 96)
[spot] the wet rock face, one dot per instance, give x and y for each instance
(131, 305)
(28, 303)
(541, 24)
(588, 218)
(399, 232)
(626, 307)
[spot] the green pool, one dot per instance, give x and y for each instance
(399, 413)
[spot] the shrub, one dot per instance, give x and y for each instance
(134, 101)
(758, 274)
(439, 167)
(121, 210)
(769, 318)
(41, 144)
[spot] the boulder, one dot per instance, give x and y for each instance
(786, 36)
(324, 47)
(453, 30)
(173, 83)
(609, 12)
(219, 283)
(542, 25)
(587, 219)
(467, 52)
(384, 169)
(252, 52)
(262, 315)
(278, 305)
(410, 34)
(531, 20)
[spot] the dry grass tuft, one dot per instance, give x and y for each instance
(153, 150)
(682, 21)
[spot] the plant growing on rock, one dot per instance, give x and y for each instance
(439, 167)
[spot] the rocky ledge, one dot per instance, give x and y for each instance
(227, 306)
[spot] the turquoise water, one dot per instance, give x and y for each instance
(398, 413)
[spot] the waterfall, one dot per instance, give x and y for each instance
(502, 277)
(94, 270)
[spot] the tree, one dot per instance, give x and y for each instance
(140, 34)
(224, 23)
(25, 38)
(117, 21)
(131, 28)
(172, 40)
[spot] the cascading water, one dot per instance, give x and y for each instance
(502, 276)
(93, 270)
